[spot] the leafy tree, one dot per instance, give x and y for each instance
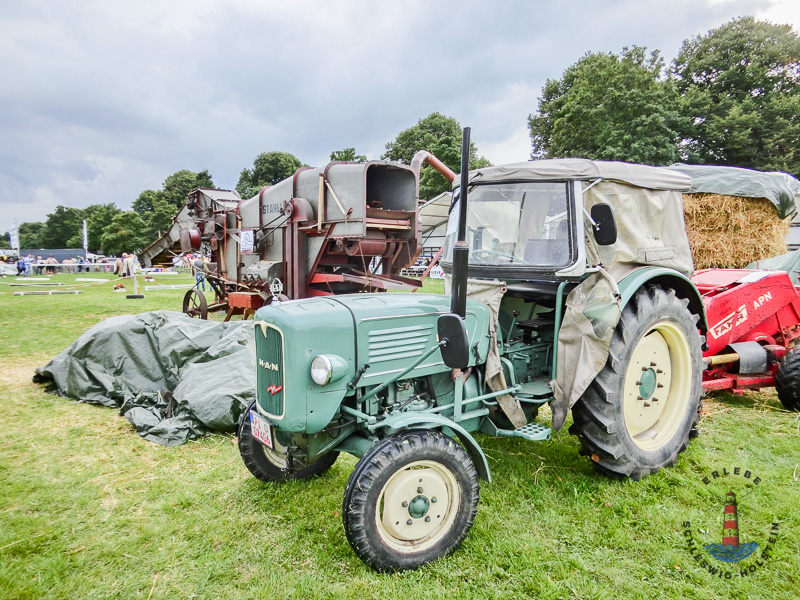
(62, 227)
(348, 155)
(609, 107)
(177, 186)
(740, 92)
(441, 136)
(144, 203)
(5, 241)
(98, 217)
(269, 168)
(127, 232)
(30, 234)
(159, 219)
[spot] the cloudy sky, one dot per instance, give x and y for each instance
(102, 99)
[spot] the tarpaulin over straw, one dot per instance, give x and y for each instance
(174, 378)
(779, 188)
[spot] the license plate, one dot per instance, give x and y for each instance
(261, 429)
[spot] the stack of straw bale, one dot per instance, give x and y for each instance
(731, 231)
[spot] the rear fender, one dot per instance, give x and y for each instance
(424, 420)
(667, 279)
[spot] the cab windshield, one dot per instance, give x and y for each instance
(515, 224)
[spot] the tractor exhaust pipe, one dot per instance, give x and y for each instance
(458, 303)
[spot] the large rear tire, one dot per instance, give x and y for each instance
(638, 413)
(277, 464)
(410, 500)
(787, 380)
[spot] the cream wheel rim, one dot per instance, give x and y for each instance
(658, 384)
(417, 506)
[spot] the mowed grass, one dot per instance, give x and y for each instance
(90, 510)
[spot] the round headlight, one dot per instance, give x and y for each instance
(321, 369)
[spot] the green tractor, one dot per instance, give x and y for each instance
(569, 287)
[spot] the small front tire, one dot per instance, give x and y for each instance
(411, 500)
(276, 465)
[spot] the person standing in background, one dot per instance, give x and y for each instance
(127, 264)
(200, 268)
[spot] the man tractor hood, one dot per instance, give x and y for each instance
(364, 339)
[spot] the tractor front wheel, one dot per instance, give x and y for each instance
(787, 381)
(410, 500)
(277, 464)
(638, 413)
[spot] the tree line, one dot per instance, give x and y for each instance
(730, 97)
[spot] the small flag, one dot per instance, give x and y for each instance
(13, 236)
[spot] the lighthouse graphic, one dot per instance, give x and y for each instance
(730, 550)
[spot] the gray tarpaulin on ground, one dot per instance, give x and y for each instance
(779, 188)
(174, 378)
(785, 262)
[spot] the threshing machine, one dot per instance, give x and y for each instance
(343, 228)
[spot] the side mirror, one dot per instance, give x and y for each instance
(455, 352)
(605, 228)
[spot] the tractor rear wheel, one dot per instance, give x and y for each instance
(638, 413)
(787, 381)
(410, 500)
(276, 464)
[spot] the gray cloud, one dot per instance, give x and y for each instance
(103, 100)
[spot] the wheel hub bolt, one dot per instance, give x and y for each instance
(410, 522)
(419, 490)
(405, 504)
(433, 499)
(427, 519)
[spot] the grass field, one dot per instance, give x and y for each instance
(90, 510)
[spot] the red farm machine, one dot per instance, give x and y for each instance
(753, 321)
(343, 228)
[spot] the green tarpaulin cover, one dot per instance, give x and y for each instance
(778, 188)
(785, 262)
(174, 378)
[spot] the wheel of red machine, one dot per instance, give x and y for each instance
(410, 500)
(274, 464)
(787, 381)
(195, 305)
(638, 413)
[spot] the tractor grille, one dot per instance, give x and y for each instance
(269, 355)
(399, 342)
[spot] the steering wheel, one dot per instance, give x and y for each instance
(477, 254)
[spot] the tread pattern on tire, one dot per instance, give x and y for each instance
(787, 380)
(598, 420)
(375, 467)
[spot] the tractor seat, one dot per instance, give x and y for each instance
(536, 324)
